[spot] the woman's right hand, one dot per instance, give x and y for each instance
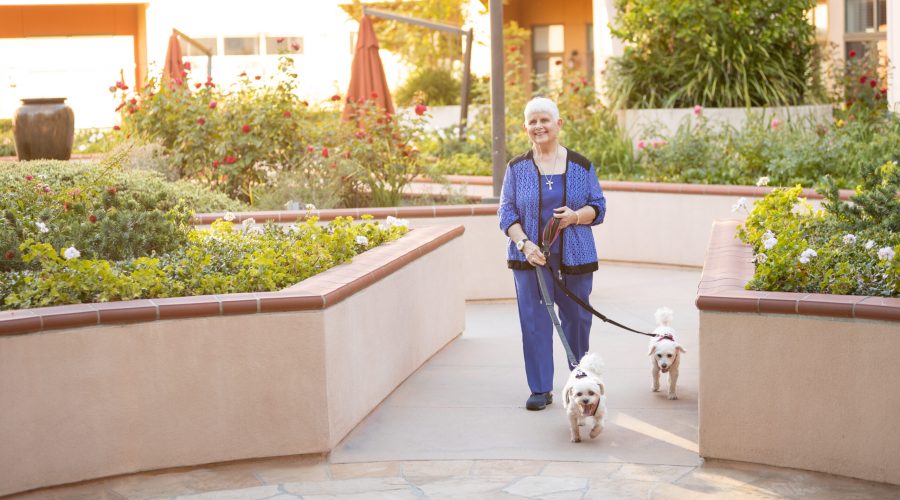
(533, 254)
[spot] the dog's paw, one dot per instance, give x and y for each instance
(576, 439)
(596, 431)
(672, 396)
(654, 388)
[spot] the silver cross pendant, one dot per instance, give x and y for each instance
(550, 184)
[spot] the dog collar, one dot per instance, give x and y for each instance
(665, 336)
(580, 374)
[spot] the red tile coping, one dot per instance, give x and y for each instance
(728, 268)
(318, 292)
(288, 216)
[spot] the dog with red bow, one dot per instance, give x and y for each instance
(584, 396)
(665, 351)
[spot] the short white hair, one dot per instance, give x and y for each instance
(541, 105)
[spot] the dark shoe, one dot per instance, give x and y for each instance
(538, 400)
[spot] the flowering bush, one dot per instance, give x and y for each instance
(227, 258)
(847, 248)
(96, 208)
(861, 85)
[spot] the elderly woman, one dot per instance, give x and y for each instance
(550, 181)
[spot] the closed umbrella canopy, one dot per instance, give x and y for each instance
(367, 80)
(174, 68)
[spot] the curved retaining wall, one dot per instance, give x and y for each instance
(94, 390)
(795, 379)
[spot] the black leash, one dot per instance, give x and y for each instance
(551, 232)
(549, 303)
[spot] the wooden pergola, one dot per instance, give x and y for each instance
(52, 19)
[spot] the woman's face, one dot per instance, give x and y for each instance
(542, 128)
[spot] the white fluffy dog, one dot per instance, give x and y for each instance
(585, 397)
(665, 351)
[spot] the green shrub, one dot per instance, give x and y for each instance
(428, 85)
(847, 248)
(732, 53)
(226, 258)
(96, 208)
(94, 140)
(7, 141)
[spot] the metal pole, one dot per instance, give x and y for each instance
(466, 84)
(368, 11)
(200, 47)
(498, 113)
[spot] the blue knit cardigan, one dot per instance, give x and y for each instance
(520, 201)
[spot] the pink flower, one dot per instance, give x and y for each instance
(641, 145)
(295, 46)
(775, 123)
(111, 190)
(116, 127)
(279, 39)
(230, 159)
(245, 129)
(198, 85)
(212, 104)
(420, 109)
(852, 53)
(201, 121)
(698, 110)
(286, 114)
(187, 65)
(360, 134)
(310, 148)
(215, 164)
(374, 95)
(325, 152)
(28, 177)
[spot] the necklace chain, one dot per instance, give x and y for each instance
(547, 178)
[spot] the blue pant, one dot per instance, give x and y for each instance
(537, 327)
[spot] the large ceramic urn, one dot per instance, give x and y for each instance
(44, 129)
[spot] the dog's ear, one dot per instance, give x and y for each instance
(567, 395)
(652, 349)
(602, 388)
(678, 348)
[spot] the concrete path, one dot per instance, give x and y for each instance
(457, 428)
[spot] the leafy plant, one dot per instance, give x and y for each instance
(436, 86)
(7, 142)
(731, 53)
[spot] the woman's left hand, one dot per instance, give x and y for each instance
(566, 216)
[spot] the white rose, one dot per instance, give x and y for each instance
(42, 227)
(770, 243)
(362, 240)
(870, 244)
(807, 255)
(886, 253)
(71, 253)
(760, 258)
(849, 239)
(740, 205)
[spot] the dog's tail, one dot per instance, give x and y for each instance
(592, 362)
(664, 316)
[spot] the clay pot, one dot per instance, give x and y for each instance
(44, 129)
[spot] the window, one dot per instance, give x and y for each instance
(241, 46)
(547, 49)
(865, 27)
(189, 50)
(272, 44)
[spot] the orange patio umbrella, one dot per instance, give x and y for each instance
(367, 80)
(174, 68)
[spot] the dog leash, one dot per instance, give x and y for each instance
(549, 303)
(551, 232)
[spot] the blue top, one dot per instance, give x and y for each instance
(550, 199)
(521, 201)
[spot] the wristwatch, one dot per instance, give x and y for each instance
(520, 245)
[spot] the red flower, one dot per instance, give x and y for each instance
(420, 109)
(558, 62)
(187, 65)
(884, 90)
(178, 82)
(111, 190)
(198, 85)
(513, 48)
(873, 83)
(257, 77)
(325, 152)
(335, 97)
(852, 53)
(65, 206)
(10, 254)
(286, 114)
(360, 134)
(245, 129)
(28, 177)
(380, 121)
(310, 148)
(133, 101)
(132, 109)
(212, 104)
(92, 218)
(862, 79)
(201, 121)
(374, 95)
(215, 163)
(295, 46)
(230, 159)
(279, 39)
(116, 127)
(243, 73)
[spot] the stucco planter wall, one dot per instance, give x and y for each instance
(102, 389)
(795, 380)
(667, 121)
(646, 223)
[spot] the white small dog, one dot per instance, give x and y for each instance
(665, 352)
(585, 397)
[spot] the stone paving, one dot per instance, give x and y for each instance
(457, 428)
